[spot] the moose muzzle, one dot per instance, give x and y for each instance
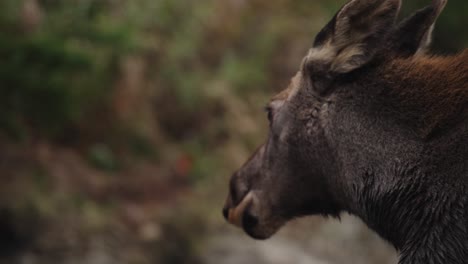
(235, 215)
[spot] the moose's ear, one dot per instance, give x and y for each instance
(414, 34)
(351, 38)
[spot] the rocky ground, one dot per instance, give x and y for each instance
(308, 241)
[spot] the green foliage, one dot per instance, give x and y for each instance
(40, 82)
(51, 78)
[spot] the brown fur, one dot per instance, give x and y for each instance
(436, 88)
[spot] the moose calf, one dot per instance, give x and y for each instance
(373, 126)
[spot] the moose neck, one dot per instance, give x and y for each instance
(425, 225)
(427, 91)
(400, 139)
(402, 187)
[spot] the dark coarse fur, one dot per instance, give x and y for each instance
(409, 153)
(373, 126)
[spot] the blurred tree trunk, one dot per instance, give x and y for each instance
(31, 15)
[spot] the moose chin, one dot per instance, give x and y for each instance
(372, 125)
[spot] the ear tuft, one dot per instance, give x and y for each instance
(355, 33)
(352, 38)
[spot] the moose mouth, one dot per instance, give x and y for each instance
(235, 215)
(246, 216)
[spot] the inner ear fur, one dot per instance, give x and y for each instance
(351, 39)
(414, 34)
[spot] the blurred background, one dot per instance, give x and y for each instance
(121, 122)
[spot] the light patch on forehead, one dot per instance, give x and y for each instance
(276, 104)
(287, 93)
(279, 126)
(295, 85)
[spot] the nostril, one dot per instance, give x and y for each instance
(249, 221)
(225, 213)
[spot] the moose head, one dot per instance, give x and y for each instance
(349, 133)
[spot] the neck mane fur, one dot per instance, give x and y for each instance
(431, 89)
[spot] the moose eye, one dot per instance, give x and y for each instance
(269, 112)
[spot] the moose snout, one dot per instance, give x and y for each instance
(248, 220)
(238, 215)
